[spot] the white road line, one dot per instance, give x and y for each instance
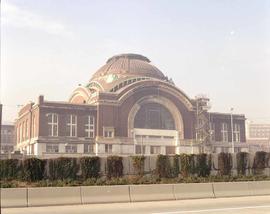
(213, 210)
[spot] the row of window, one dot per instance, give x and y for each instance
(140, 149)
(23, 130)
(53, 124)
(225, 132)
(6, 132)
(127, 82)
(70, 148)
(90, 148)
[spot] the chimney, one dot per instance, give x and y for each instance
(40, 99)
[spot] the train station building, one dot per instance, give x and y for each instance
(127, 107)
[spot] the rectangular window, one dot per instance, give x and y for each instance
(26, 129)
(72, 125)
(108, 132)
(89, 148)
(155, 149)
(23, 134)
(52, 124)
(224, 132)
(18, 134)
(236, 132)
(140, 149)
(52, 148)
(224, 149)
(212, 131)
(34, 126)
(90, 127)
(108, 148)
(21, 138)
(170, 150)
(32, 149)
(71, 148)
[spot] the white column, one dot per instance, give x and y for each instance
(116, 149)
(80, 148)
(96, 149)
(163, 150)
(147, 150)
(62, 148)
(177, 144)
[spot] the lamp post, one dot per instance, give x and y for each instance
(232, 130)
(142, 145)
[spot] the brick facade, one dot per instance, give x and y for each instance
(112, 107)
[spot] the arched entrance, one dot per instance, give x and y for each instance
(156, 125)
(154, 116)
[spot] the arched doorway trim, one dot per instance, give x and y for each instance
(168, 104)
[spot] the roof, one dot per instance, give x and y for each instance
(125, 66)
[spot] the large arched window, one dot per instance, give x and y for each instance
(154, 116)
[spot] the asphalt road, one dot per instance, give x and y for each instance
(239, 205)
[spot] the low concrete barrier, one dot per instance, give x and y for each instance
(188, 191)
(151, 192)
(14, 197)
(260, 187)
(105, 194)
(231, 189)
(43, 196)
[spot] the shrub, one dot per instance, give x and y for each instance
(187, 163)
(33, 169)
(176, 166)
(224, 163)
(10, 169)
(242, 163)
(203, 165)
(267, 160)
(63, 168)
(114, 167)
(259, 163)
(163, 166)
(138, 164)
(90, 167)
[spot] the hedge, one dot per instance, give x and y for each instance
(10, 169)
(33, 169)
(224, 163)
(242, 162)
(187, 164)
(138, 164)
(90, 167)
(261, 160)
(63, 168)
(163, 167)
(167, 166)
(114, 167)
(203, 165)
(176, 166)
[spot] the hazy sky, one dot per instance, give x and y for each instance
(218, 48)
